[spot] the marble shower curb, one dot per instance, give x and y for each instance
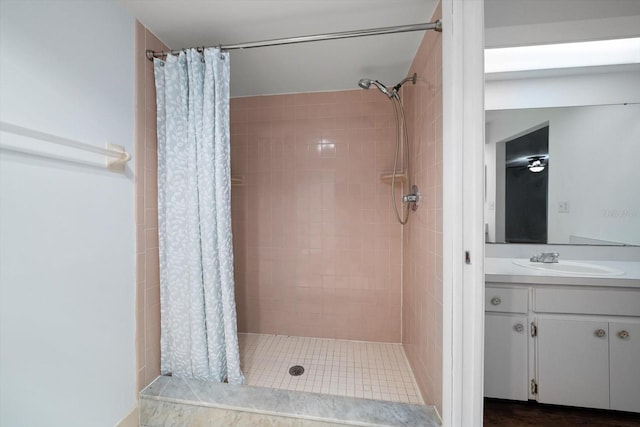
(172, 401)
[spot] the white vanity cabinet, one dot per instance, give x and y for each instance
(580, 345)
(505, 343)
(505, 365)
(573, 362)
(624, 371)
(589, 363)
(624, 355)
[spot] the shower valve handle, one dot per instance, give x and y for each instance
(410, 198)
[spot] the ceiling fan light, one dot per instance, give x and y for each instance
(536, 165)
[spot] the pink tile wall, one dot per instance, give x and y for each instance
(146, 158)
(422, 240)
(317, 249)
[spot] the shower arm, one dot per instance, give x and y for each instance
(397, 87)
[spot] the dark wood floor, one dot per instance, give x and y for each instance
(506, 413)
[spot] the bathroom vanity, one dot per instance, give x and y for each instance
(566, 338)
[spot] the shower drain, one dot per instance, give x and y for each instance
(296, 370)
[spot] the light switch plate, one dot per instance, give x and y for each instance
(563, 207)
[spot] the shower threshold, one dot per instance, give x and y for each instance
(177, 401)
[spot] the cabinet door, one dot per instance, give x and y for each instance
(505, 356)
(624, 344)
(573, 362)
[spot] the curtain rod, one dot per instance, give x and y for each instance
(436, 26)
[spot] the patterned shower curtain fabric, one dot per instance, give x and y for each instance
(198, 314)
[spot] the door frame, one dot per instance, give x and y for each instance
(463, 212)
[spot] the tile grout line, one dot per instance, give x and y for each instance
(339, 367)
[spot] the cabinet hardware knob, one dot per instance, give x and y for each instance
(623, 335)
(519, 327)
(496, 301)
(600, 333)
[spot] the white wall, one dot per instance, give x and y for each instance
(66, 231)
(565, 90)
(593, 154)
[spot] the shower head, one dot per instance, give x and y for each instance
(366, 84)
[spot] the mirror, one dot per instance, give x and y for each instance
(586, 189)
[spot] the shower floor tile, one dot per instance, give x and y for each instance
(345, 368)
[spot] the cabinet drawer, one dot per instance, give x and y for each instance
(585, 301)
(505, 300)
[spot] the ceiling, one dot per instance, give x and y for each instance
(307, 67)
(511, 23)
(339, 64)
(501, 13)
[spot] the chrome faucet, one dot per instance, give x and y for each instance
(546, 257)
(412, 198)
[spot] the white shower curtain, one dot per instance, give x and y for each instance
(198, 314)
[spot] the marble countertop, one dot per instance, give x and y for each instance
(503, 270)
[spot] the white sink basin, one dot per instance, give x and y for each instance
(571, 267)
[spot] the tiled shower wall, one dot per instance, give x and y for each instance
(146, 158)
(422, 242)
(317, 249)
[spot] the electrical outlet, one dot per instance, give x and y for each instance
(563, 207)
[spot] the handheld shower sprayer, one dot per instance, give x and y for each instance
(366, 84)
(412, 199)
